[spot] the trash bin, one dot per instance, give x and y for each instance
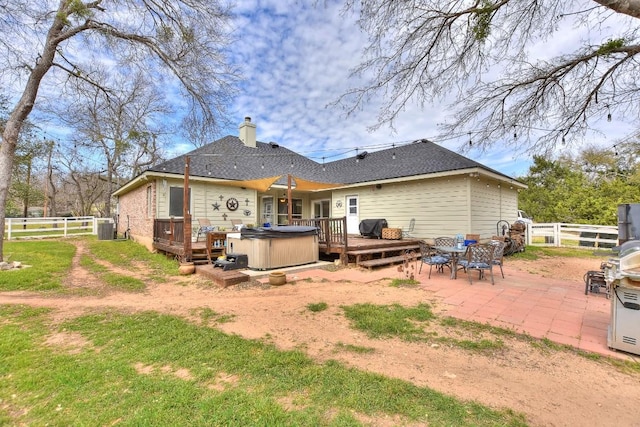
(105, 231)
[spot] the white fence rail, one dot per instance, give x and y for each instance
(37, 228)
(572, 235)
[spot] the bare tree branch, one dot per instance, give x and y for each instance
(487, 59)
(181, 41)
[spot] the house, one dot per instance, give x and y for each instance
(242, 179)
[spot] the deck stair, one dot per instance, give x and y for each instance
(199, 255)
(383, 256)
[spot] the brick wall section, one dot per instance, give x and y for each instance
(134, 204)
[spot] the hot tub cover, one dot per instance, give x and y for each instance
(277, 232)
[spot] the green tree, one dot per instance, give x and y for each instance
(586, 189)
(552, 188)
(180, 41)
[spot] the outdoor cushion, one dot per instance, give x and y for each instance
(436, 259)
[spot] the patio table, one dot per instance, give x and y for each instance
(455, 253)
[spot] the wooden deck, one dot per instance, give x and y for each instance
(332, 239)
(176, 250)
(371, 252)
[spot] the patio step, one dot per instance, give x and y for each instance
(385, 261)
(221, 277)
(382, 251)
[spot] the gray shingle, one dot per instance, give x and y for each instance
(217, 160)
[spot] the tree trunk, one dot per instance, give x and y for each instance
(107, 200)
(25, 208)
(18, 116)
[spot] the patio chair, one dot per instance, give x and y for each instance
(479, 257)
(204, 227)
(236, 224)
(408, 231)
(498, 254)
(429, 255)
(444, 241)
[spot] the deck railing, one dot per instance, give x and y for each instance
(168, 230)
(332, 232)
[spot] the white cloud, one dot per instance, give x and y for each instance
(297, 60)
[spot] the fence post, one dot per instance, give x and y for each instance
(66, 224)
(9, 230)
(556, 234)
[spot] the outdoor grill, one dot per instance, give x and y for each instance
(372, 227)
(623, 277)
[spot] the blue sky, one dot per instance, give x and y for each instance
(297, 58)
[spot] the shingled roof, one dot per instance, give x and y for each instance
(230, 158)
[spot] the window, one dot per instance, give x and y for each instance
(283, 214)
(176, 197)
(267, 210)
(321, 208)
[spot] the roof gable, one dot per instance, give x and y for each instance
(228, 158)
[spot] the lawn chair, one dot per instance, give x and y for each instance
(479, 257)
(408, 231)
(236, 224)
(498, 254)
(430, 256)
(204, 227)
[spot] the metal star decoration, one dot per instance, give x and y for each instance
(216, 206)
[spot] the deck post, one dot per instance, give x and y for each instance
(289, 206)
(186, 213)
(343, 256)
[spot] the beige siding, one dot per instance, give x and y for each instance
(203, 198)
(490, 203)
(441, 207)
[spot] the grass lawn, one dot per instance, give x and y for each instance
(114, 368)
(153, 369)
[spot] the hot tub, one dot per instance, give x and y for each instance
(275, 247)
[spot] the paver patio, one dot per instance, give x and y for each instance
(541, 307)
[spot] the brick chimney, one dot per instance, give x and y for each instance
(248, 132)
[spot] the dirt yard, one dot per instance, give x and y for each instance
(551, 388)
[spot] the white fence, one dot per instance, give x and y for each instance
(33, 228)
(572, 235)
